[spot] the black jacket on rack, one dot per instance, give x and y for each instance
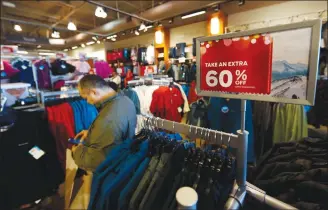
(61, 67)
(23, 178)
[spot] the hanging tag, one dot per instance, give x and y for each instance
(179, 109)
(63, 66)
(41, 67)
(225, 109)
(24, 67)
(36, 152)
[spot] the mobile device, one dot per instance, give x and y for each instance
(74, 141)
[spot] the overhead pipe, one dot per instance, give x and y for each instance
(119, 11)
(47, 26)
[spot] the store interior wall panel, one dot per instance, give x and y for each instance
(142, 40)
(187, 33)
(96, 50)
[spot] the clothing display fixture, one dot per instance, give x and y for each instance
(43, 74)
(25, 71)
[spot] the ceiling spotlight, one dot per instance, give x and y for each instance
(39, 46)
(100, 12)
(8, 4)
(83, 45)
(55, 34)
(136, 32)
(71, 26)
(131, 31)
(95, 38)
(113, 39)
(241, 2)
(142, 27)
(17, 27)
(65, 50)
(75, 47)
(98, 42)
(123, 33)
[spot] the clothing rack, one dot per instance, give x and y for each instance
(155, 76)
(237, 141)
(151, 81)
(69, 93)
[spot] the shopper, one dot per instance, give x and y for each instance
(115, 122)
(116, 79)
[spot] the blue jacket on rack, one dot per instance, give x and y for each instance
(224, 115)
(84, 114)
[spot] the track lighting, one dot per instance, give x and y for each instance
(100, 12)
(136, 32)
(55, 34)
(123, 33)
(193, 14)
(83, 45)
(75, 47)
(171, 21)
(65, 50)
(146, 28)
(112, 36)
(71, 26)
(17, 27)
(131, 31)
(113, 39)
(22, 52)
(95, 38)
(39, 46)
(142, 27)
(8, 4)
(241, 2)
(98, 42)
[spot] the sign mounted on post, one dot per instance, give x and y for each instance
(276, 64)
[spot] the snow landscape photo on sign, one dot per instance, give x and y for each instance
(290, 63)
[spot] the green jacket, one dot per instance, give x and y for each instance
(115, 122)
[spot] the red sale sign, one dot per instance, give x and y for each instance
(238, 65)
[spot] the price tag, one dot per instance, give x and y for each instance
(182, 60)
(36, 152)
(24, 67)
(240, 65)
(63, 66)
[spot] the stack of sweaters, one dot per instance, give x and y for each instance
(296, 173)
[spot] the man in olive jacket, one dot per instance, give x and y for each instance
(115, 122)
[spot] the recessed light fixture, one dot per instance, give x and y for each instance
(39, 46)
(8, 4)
(55, 34)
(136, 32)
(75, 47)
(65, 50)
(193, 14)
(22, 52)
(90, 43)
(83, 45)
(71, 26)
(98, 42)
(17, 27)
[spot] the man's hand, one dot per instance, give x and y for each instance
(82, 135)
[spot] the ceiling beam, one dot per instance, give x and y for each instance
(68, 15)
(132, 5)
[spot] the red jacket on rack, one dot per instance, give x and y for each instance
(166, 102)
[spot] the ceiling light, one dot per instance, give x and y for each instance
(57, 41)
(65, 50)
(123, 33)
(215, 25)
(95, 38)
(90, 43)
(142, 27)
(55, 34)
(113, 39)
(159, 37)
(100, 12)
(241, 2)
(171, 21)
(46, 53)
(193, 14)
(136, 33)
(131, 31)
(17, 27)
(75, 47)
(39, 46)
(98, 42)
(71, 26)
(22, 52)
(112, 36)
(8, 4)
(146, 27)
(83, 45)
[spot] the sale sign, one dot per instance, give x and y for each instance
(238, 65)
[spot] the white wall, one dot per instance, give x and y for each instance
(143, 40)
(278, 11)
(187, 33)
(96, 50)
